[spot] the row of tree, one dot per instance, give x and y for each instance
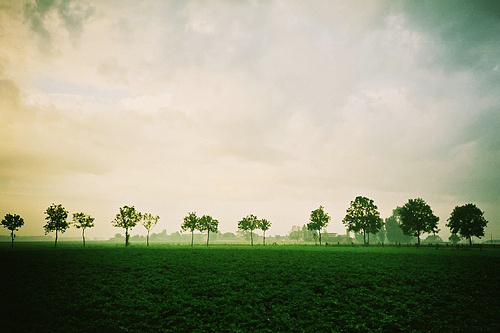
(412, 220)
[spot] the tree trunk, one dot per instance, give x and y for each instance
(470, 241)
(251, 236)
(364, 237)
(55, 244)
(192, 235)
(368, 243)
(147, 239)
(208, 236)
(264, 238)
(12, 236)
(418, 240)
(319, 232)
(126, 236)
(83, 236)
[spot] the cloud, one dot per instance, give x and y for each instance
(229, 104)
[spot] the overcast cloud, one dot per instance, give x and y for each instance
(230, 108)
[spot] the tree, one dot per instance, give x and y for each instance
(264, 225)
(362, 215)
(83, 221)
(295, 233)
(127, 218)
(149, 221)
(249, 223)
(318, 220)
(56, 220)
(12, 222)
(191, 222)
(417, 218)
(454, 239)
(467, 221)
(394, 233)
(209, 224)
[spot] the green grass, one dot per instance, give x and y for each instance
(106, 287)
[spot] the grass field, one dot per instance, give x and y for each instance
(110, 288)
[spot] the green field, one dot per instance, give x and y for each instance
(110, 288)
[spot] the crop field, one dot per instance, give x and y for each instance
(110, 288)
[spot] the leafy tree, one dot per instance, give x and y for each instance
(467, 221)
(209, 224)
(417, 218)
(454, 239)
(362, 215)
(318, 220)
(12, 222)
(149, 221)
(381, 234)
(127, 218)
(249, 223)
(394, 233)
(295, 233)
(264, 225)
(56, 220)
(191, 222)
(83, 221)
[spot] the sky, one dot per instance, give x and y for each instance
(230, 108)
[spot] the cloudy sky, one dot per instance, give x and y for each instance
(231, 108)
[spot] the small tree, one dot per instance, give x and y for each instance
(209, 224)
(467, 221)
(249, 223)
(127, 218)
(362, 215)
(12, 222)
(264, 225)
(318, 220)
(454, 239)
(417, 217)
(56, 220)
(83, 221)
(149, 221)
(191, 222)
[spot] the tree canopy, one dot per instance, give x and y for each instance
(264, 225)
(249, 223)
(56, 220)
(149, 221)
(394, 233)
(191, 222)
(417, 218)
(208, 224)
(13, 222)
(467, 221)
(318, 220)
(363, 215)
(127, 218)
(83, 221)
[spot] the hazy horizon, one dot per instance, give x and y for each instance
(229, 108)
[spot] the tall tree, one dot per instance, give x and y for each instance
(56, 220)
(191, 222)
(149, 221)
(249, 223)
(318, 220)
(12, 222)
(127, 218)
(362, 215)
(209, 224)
(83, 221)
(467, 221)
(417, 218)
(295, 233)
(264, 225)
